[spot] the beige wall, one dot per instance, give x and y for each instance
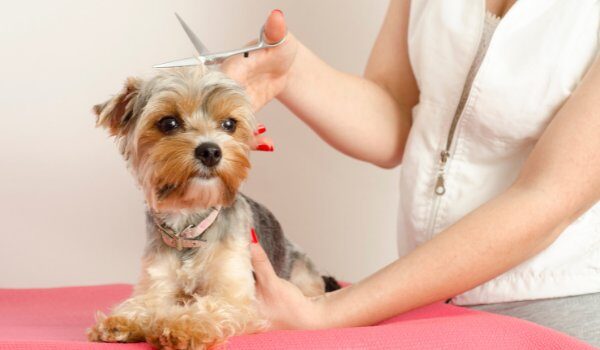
(69, 211)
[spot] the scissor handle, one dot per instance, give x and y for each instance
(262, 39)
(219, 57)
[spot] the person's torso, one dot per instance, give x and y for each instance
(537, 55)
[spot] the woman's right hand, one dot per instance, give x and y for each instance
(265, 73)
(349, 112)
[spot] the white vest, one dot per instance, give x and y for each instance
(538, 54)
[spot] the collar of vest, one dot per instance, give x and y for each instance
(189, 237)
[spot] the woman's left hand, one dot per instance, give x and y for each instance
(281, 302)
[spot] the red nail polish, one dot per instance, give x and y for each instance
(265, 147)
(260, 129)
(278, 10)
(253, 235)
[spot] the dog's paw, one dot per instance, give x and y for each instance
(182, 334)
(115, 329)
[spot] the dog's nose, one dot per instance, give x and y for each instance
(208, 153)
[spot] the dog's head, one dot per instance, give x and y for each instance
(185, 134)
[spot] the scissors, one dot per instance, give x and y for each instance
(207, 58)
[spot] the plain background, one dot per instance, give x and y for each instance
(70, 211)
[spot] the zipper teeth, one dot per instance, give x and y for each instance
(440, 187)
(465, 96)
(455, 120)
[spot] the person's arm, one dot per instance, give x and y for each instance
(366, 118)
(559, 181)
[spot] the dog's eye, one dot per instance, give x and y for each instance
(168, 124)
(229, 124)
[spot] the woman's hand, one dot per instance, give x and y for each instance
(264, 73)
(260, 142)
(281, 302)
(349, 112)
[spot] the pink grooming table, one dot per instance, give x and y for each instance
(56, 318)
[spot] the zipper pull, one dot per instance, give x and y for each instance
(444, 157)
(440, 187)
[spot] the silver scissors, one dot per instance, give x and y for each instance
(207, 58)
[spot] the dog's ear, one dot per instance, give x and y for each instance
(116, 113)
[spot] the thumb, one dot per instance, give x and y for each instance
(261, 264)
(275, 27)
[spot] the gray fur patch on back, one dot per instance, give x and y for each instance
(271, 238)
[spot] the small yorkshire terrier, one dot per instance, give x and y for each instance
(185, 134)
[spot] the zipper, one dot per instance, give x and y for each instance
(440, 186)
(440, 183)
(439, 191)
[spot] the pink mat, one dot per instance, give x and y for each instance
(57, 318)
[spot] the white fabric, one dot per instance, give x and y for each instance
(539, 52)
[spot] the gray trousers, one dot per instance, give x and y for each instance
(577, 316)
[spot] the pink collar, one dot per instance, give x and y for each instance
(189, 237)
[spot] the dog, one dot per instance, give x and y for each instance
(185, 134)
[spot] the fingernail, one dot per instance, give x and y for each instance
(253, 235)
(260, 129)
(278, 10)
(265, 147)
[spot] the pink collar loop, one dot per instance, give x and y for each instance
(189, 237)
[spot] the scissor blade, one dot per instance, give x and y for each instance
(190, 61)
(202, 50)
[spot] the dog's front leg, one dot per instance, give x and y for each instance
(130, 321)
(226, 305)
